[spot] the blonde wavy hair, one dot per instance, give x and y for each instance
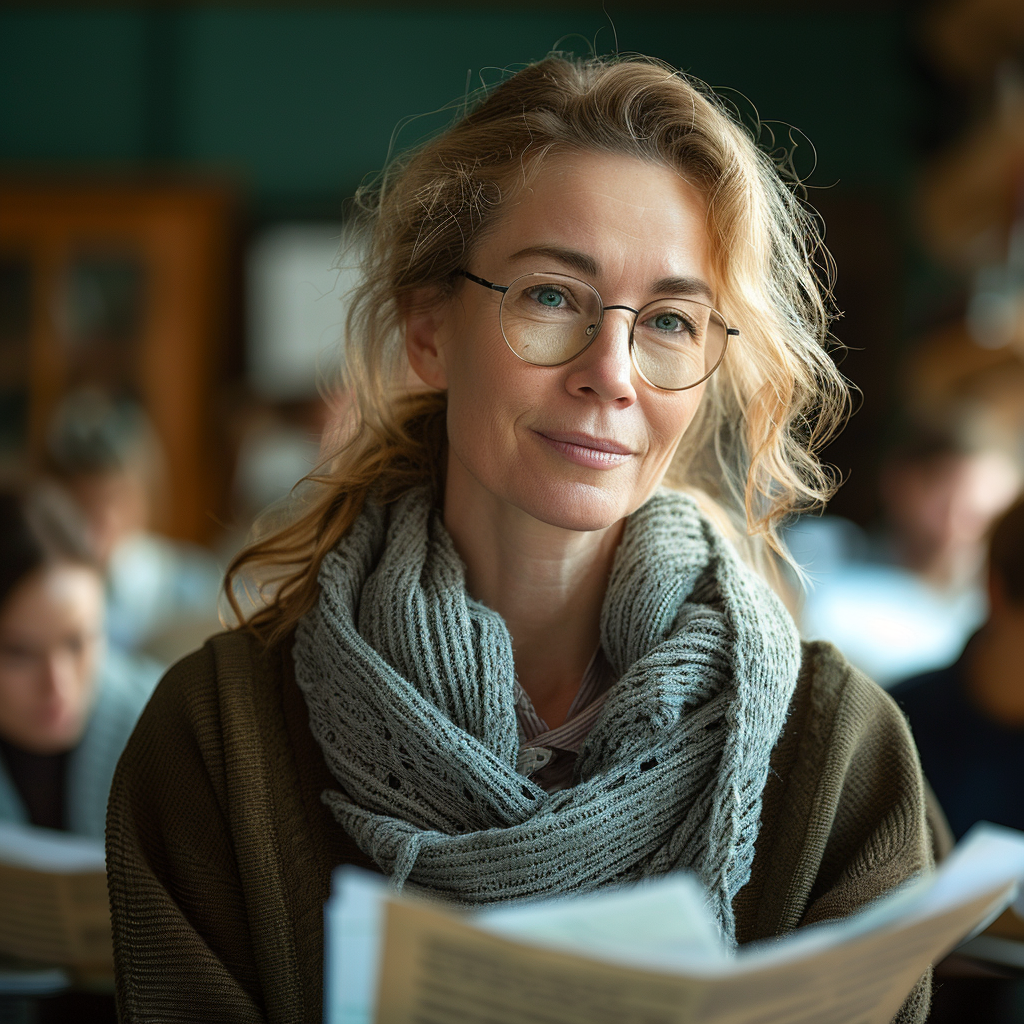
(776, 399)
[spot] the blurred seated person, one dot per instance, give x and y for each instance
(161, 594)
(968, 719)
(903, 598)
(67, 706)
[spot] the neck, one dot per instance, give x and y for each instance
(546, 582)
(995, 671)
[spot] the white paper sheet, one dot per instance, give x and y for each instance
(649, 954)
(659, 923)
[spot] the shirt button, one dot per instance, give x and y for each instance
(532, 759)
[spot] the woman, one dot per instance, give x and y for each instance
(66, 709)
(498, 658)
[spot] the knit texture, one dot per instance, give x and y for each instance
(220, 850)
(410, 688)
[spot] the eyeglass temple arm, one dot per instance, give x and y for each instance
(734, 331)
(480, 280)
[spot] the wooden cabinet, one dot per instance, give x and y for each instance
(120, 287)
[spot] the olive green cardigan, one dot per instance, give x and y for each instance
(219, 850)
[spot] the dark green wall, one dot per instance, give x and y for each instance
(300, 104)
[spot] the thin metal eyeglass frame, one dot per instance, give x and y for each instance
(730, 332)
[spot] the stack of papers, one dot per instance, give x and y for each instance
(648, 954)
(54, 908)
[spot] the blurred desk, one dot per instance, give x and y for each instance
(23, 985)
(39, 994)
(982, 981)
(24, 980)
(1000, 944)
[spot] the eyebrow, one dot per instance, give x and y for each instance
(579, 261)
(584, 264)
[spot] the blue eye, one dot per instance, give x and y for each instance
(672, 321)
(548, 296)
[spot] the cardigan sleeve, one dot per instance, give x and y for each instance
(871, 824)
(845, 818)
(182, 945)
(880, 831)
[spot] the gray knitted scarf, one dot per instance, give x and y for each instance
(409, 686)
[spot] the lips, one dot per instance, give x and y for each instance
(585, 450)
(580, 440)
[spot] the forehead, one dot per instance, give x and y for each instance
(53, 598)
(634, 219)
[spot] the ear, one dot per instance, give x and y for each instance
(425, 321)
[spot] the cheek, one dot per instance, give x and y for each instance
(668, 418)
(481, 430)
(488, 388)
(474, 352)
(18, 687)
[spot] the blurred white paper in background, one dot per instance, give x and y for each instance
(296, 304)
(44, 849)
(272, 458)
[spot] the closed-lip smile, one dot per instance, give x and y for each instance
(598, 444)
(586, 450)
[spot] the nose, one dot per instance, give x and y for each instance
(59, 675)
(604, 369)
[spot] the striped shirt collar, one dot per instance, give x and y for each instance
(583, 712)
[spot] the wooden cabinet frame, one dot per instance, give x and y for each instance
(182, 235)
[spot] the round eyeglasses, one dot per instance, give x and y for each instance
(549, 319)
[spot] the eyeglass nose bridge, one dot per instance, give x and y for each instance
(593, 329)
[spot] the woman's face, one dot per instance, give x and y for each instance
(581, 445)
(50, 640)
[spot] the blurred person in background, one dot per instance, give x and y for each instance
(968, 719)
(67, 705)
(903, 598)
(161, 593)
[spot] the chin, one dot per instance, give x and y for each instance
(55, 740)
(580, 507)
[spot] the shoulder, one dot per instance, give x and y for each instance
(221, 697)
(847, 736)
(842, 704)
(836, 711)
(218, 848)
(227, 667)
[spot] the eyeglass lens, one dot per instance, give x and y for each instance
(548, 319)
